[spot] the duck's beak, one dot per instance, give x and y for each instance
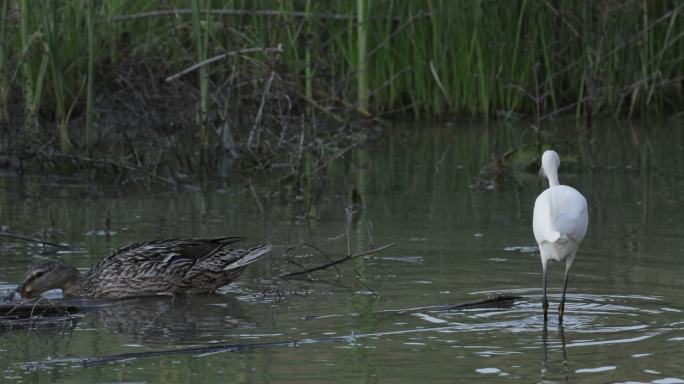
(23, 291)
(16, 295)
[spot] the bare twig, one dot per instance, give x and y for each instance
(336, 262)
(30, 310)
(289, 250)
(318, 106)
(256, 198)
(232, 12)
(334, 157)
(257, 121)
(243, 12)
(239, 52)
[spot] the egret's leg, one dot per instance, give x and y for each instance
(545, 302)
(561, 307)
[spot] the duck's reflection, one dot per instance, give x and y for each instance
(164, 319)
(200, 318)
(550, 372)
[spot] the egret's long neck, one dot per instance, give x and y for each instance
(552, 174)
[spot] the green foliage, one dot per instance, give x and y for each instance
(4, 86)
(424, 57)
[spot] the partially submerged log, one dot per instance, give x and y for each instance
(498, 300)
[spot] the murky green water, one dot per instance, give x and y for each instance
(372, 320)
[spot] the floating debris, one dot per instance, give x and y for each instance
(405, 259)
(38, 314)
(521, 248)
(101, 232)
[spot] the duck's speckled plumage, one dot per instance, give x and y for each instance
(193, 266)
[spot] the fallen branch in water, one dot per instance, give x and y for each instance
(27, 311)
(33, 240)
(195, 351)
(317, 249)
(500, 299)
(35, 314)
(335, 262)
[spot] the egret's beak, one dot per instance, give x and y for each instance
(541, 172)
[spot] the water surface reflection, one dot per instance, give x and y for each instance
(464, 229)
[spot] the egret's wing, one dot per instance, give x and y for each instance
(541, 221)
(560, 213)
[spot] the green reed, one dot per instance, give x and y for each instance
(49, 13)
(90, 92)
(362, 55)
(27, 71)
(201, 40)
(425, 58)
(4, 81)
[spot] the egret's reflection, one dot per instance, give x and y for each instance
(548, 371)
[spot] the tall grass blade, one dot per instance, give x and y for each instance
(4, 79)
(362, 49)
(29, 102)
(50, 29)
(91, 75)
(201, 35)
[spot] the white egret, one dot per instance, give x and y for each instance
(559, 223)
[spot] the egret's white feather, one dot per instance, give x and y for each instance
(560, 216)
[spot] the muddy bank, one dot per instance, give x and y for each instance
(149, 129)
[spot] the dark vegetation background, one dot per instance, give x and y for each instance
(171, 88)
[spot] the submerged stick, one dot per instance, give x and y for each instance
(33, 240)
(195, 351)
(493, 301)
(342, 260)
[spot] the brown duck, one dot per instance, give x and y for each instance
(194, 266)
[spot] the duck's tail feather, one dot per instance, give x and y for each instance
(251, 255)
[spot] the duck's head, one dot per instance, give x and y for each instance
(46, 275)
